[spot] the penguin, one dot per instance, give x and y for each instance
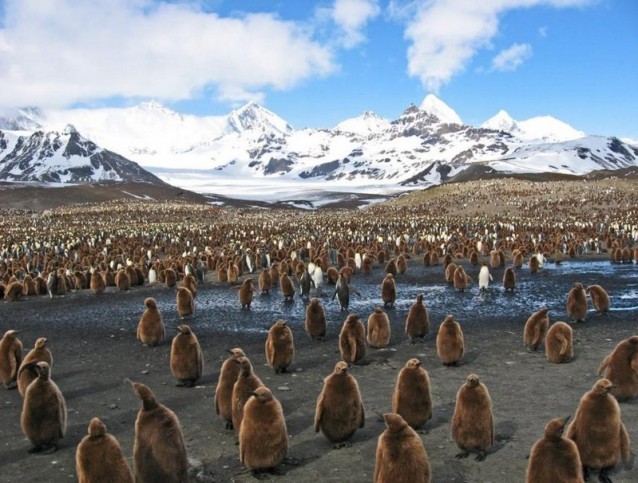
(598, 431)
(495, 260)
(170, 278)
(315, 321)
(484, 278)
(184, 301)
(122, 281)
(52, 283)
(342, 292)
(509, 279)
(554, 458)
(26, 375)
(10, 358)
(450, 345)
(305, 284)
(400, 455)
(190, 282)
(246, 383)
(287, 287)
(263, 436)
(352, 343)
(402, 264)
(159, 452)
(388, 290)
(621, 368)
(599, 298)
(246, 293)
(517, 260)
(99, 457)
(333, 275)
(450, 268)
(152, 276)
(391, 267)
(378, 329)
(339, 411)
(558, 343)
(316, 272)
(472, 422)
(13, 291)
(535, 329)
(411, 397)
(460, 279)
(280, 348)
(28, 286)
(187, 360)
(533, 264)
(264, 282)
(417, 323)
(224, 390)
(150, 329)
(576, 305)
(44, 414)
(97, 284)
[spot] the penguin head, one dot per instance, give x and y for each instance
(244, 364)
(262, 394)
(280, 324)
(633, 340)
(11, 334)
(43, 370)
(97, 428)
(236, 352)
(449, 319)
(183, 329)
(413, 363)
(145, 395)
(472, 380)
(394, 422)
(603, 386)
(41, 342)
(419, 298)
(341, 367)
(554, 429)
(150, 303)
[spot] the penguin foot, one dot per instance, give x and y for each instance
(10, 385)
(585, 473)
(603, 475)
(343, 444)
(462, 454)
(229, 425)
(481, 456)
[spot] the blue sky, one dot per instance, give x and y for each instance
(317, 63)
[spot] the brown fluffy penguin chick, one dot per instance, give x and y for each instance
(402, 264)
(243, 388)
(287, 287)
(577, 303)
(280, 347)
(26, 375)
(43, 417)
(170, 277)
(450, 344)
(159, 452)
(122, 281)
(339, 411)
(554, 458)
(10, 358)
(315, 322)
(352, 341)
(411, 397)
(460, 279)
(450, 269)
(599, 298)
(187, 360)
(224, 390)
(97, 283)
(388, 290)
(417, 323)
(99, 457)
(13, 291)
(263, 436)
(509, 279)
(150, 329)
(265, 281)
(246, 293)
(185, 302)
(621, 368)
(598, 431)
(378, 329)
(558, 343)
(400, 455)
(472, 423)
(535, 329)
(190, 282)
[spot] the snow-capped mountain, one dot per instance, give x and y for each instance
(256, 150)
(63, 157)
(541, 128)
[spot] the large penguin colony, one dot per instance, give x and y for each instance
(390, 394)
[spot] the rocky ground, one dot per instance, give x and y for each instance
(93, 342)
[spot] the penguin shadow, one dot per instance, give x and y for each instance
(441, 416)
(469, 357)
(59, 376)
(503, 433)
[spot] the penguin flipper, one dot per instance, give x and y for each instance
(634, 363)
(605, 363)
(625, 449)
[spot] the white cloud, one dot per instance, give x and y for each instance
(59, 52)
(351, 16)
(446, 34)
(510, 58)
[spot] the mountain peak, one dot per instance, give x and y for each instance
(436, 107)
(365, 124)
(253, 117)
(501, 121)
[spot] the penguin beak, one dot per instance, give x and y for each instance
(254, 394)
(229, 351)
(566, 419)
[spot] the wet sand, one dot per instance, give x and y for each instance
(92, 339)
